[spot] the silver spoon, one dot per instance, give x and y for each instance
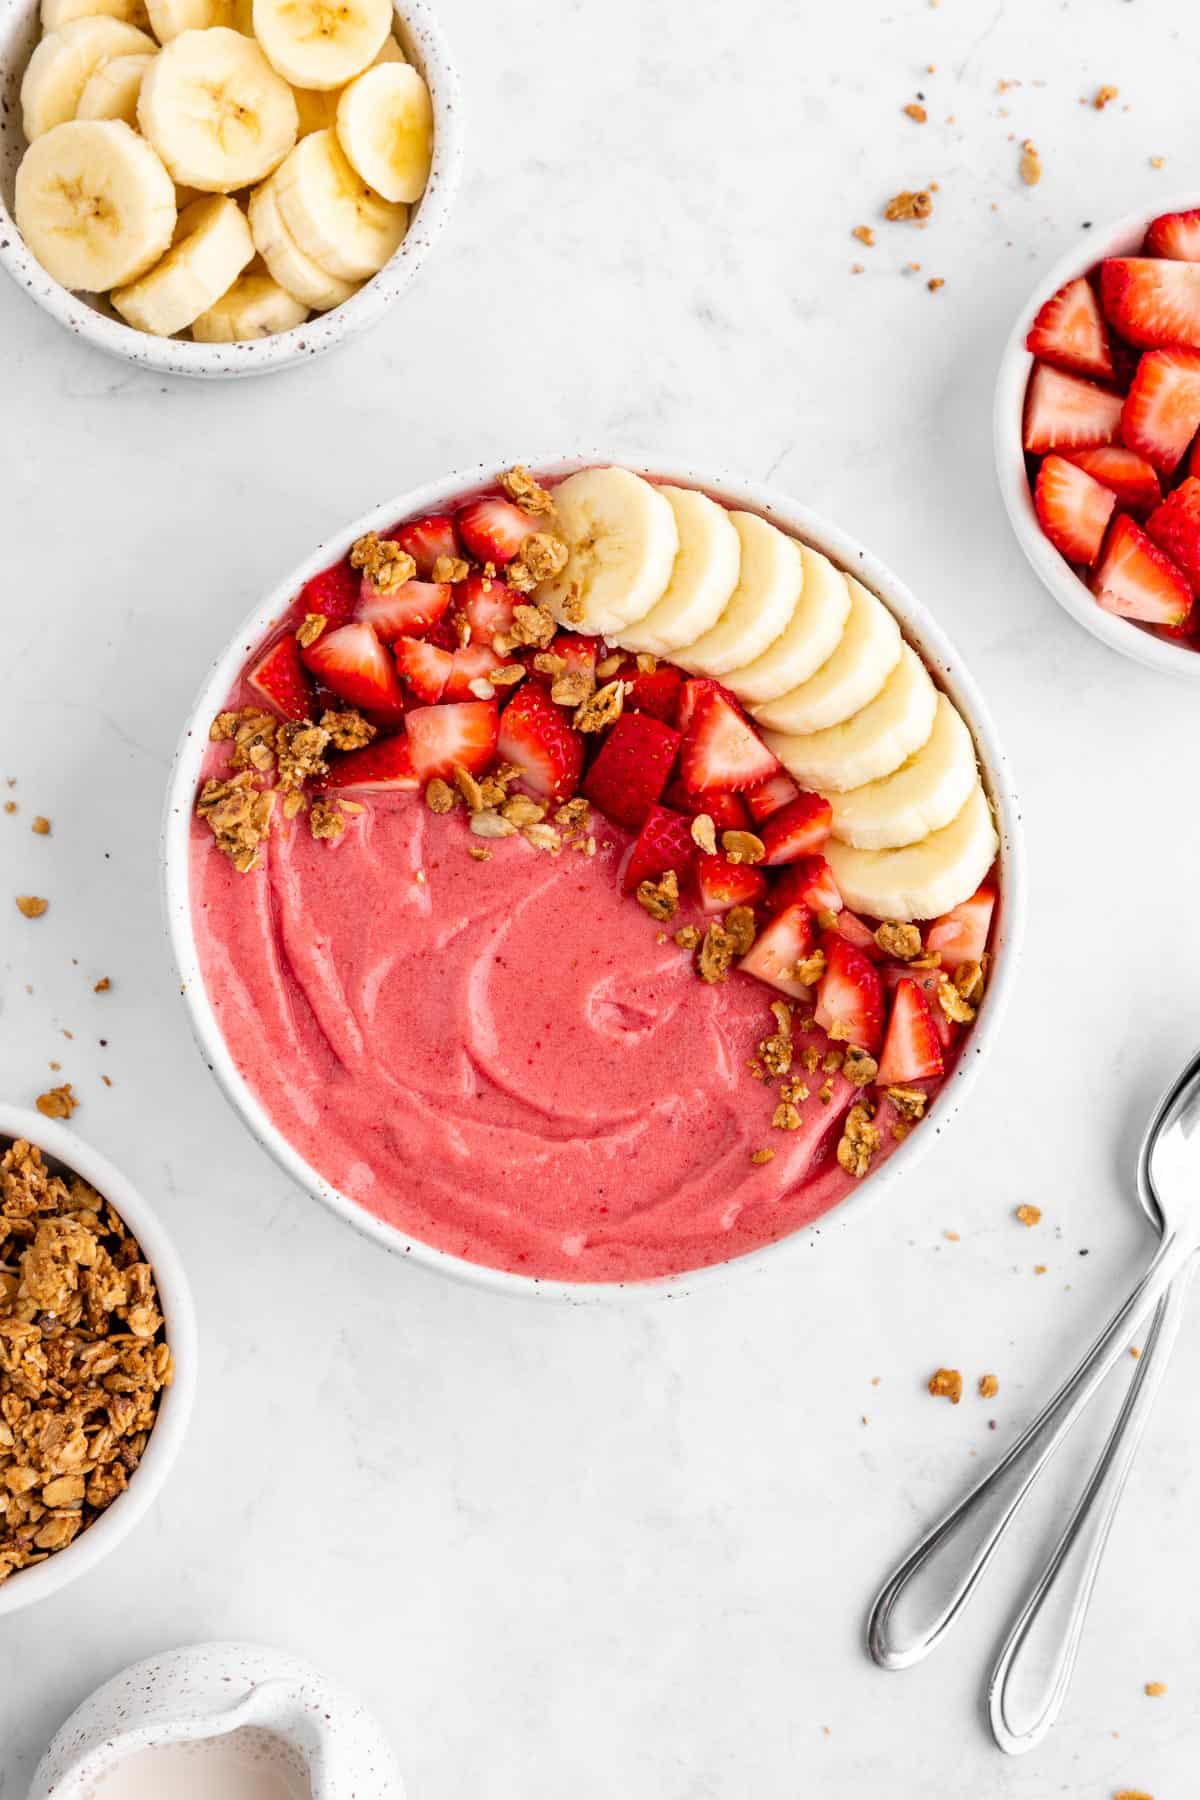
(919, 1603)
(1033, 1671)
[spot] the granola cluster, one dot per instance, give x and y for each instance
(493, 812)
(83, 1359)
(385, 565)
(284, 755)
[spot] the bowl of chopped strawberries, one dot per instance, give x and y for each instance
(1097, 435)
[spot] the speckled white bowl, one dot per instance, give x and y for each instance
(425, 47)
(60, 1144)
(1123, 238)
(919, 627)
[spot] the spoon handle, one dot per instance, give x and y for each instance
(1033, 1672)
(921, 1600)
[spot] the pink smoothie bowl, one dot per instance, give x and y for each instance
(921, 630)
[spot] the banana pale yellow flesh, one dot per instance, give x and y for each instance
(808, 640)
(65, 61)
(216, 111)
(385, 127)
(212, 246)
(94, 203)
(337, 220)
(770, 580)
(314, 44)
(169, 19)
(57, 13)
(254, 307)
(922, 796)
(285, 260)
(622, 541)
(924, 880)
(112, 92)
(866, 655)
(703, 576)
(872, 743)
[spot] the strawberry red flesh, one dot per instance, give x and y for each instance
(655, 691)
(486, 603)
(1175, 528)
(426, 540)
(443, 738)
(728, 811)
(809, 883)
(378, 769)
(353, 662)
(280, 679)
(851, 927)
(664, 842)
(632, 768)
(1064, 411)
(1136, 580)
(721, 883)
(1073, 509)
(700, 687)
(721, 749)
(473, 662)
(797, 829)
(770, 795)
(911, 1051)
(1175, 235)
(1162, 408)
(850, 996)
(408, 611)
(1132, 479)
(423, 668)
(493, 530)
(961, 935)
(1151, 301)
(777, 949)
(537, 737)
(1069, 332)
(333, 593)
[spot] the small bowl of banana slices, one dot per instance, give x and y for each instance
(222, 187)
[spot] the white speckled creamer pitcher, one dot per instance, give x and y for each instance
(206, 1691)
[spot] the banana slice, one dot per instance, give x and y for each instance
(924, 794)
(286, 261)
(317, 110)
(216, 111)
(57, 13)
(923, 880)
(332, 213)
(112, 92)
(319, 43)
(63, 64)
(211, 247)
(702, 580)
(770, 581)
(867, 654)
(623, 541)
(254, 307)
(169, 19)
(385, 126)
(94, 203)
(871, 744)
(810, 637)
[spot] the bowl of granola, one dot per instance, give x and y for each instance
(97, 1357)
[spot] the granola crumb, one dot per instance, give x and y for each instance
(946, 1384)
(1157, 162)
(325, 819)
(810, 969)
(909, 1102)
(687, 937)
(1135, 1352)
(489, 824)
(898, 939)
(601, 709)
(31, 906)
(479, 854)
(915, 112)
(909, 204)
(1029, 1215)
(1040, 1268)
(347, 730)
(102, 986)
(859, 1068)
(859, 1140)
(989, 1387)
(952, 1237)
(740, 928)
(660, 898)
(935, 282)
(10, 806)
(440, 797)
(508, 676)
(310, 629)
(952, 1003)
(57, 1103)
(1155, 1689)
(41, 826)
(449, 569)
(762, 1156)
(786, 1117)
(385, 565)
(743, 846)
(522, 811)
(1031, 164)
(865, 235)
(525, 492)
(717, 952)
(1104, 96)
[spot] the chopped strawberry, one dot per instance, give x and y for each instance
(493, 530)
(851, 927)
(721, 883)
(1175, 235)
(808, 882)
(424, 669)
(664, 842)
(1175, 528)
(961, 935)
(927, 980)
(911, 1051)
(377, 769)
(1132, 479)
(655, 691)
(1152, 302)
(699, 688)
(727, 811)
(353, 662)
(1069, 332)
(486, 603)
(721, 749)
(426, 540)
(537, 737)
(1137, 581)
(576, 654)
(1073, 509)
(850, 995)
(1162, 407)
(333, 593)
(279, 677)
(408, 611)
(473, 662)
(445, 737)
(770, 795)
(777, 949)
(632, 768)
(1064, 411)
(797, 830)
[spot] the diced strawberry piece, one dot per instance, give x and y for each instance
(1136, 580)
(426, 540)
(333, 593)
(699, 688)
(777, 949)
(279, 677)
(721, 883)
(377, 769)
(1132, 479)
(851, 927)
(632, 768)
(1175, 528)
(850, 996)
(1073, 509)
(1162, 408)
(721, 749)
(473, 662)
(576, 653)
(797, 830)
(445, 737)
(1152, 302)
(1069, 332)
(727, 811)
(1175, 235)
(1064, 411)
(893, 973)
(808, 882)
(424, 669)
(655, 691)
(664, 842)
(769, 796)
(408, 611)
(911, 1051)
(493, 530)
(961, 935)
(486, 603)
(538, 738)
(353, 662)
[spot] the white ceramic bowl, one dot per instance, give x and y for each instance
(924, 633)
(61, 1145)
(1124, 238)
(425, 47)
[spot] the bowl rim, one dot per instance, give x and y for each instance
(25, 1586)
(1121, 236)
(737, 491)
(180, 356)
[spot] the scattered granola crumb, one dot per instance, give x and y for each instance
(810, 969)
(106, 1080)
(310, 629)
(899, 940)
(31, 906)
(10, 806)
(935, 282)
(762, 1156)
(449, 568)
(946, 1384)
(687, 937)
(1031, 164)
(491, 825)
(58, 1103)
(859, 1067)
(385, 565)
(1039, 1268)
(347, 730)
(522, 811)
(743, 846)
(989, 1387)
(660, 898)
(1104, 95)
(102, 986)
(325, 819)
(952, 1003)
(41, 826)
(1157, 162)
(859, 1140)
(525, 492)
(704, 834)
(909, 1102)
(864, 234)
(1131, 1793)
(479, 854)
(915, 112)
(1134, 1352)
(1029, 1215)
(786, 1117)
(741, 929)
(909, 204)
(440, 797)
(601, 709)
(857, 269)
(1155, 1689)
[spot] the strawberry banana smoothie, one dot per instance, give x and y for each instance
(573, 956)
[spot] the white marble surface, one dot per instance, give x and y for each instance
(628, 1551)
